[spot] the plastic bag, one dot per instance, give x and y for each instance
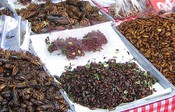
(166, 6)
(127, 8)
(12, 35)
(1, 26)
(25, 34)
(166, 9)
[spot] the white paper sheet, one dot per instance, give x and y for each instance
(56, 63)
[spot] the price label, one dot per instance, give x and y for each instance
(166, 5)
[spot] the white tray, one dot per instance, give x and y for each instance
(56, 63)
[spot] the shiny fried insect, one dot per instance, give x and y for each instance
(36, 62)
(5, 11)
(1, 70)
(2, 86)
(63, 108)
(25, 13)
(33, 7)
(40, 26)
(15, 70)
(7, 54)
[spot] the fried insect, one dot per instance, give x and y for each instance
(154, 37)
(26, 86)
(60, 16)
(6, 12)
(15, 70)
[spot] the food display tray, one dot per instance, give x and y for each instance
(15, 5)
(116, 48)
(146, 64)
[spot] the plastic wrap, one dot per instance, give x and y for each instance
(10, 33)
(25, 34)
(128, 8)
(166, 6)
(1, 26)
(164, 9)
(14, 33)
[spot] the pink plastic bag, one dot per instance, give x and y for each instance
(163, 5)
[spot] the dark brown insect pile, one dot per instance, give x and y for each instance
(60, 16)
(154, 37)
(6, 11)
(26, 87)
(72, 47)
(106, 85)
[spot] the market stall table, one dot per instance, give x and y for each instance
(158, 105)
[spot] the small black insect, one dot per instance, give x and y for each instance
(47, 40)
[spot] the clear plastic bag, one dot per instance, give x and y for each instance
(15, 33)
(166, 6)
(25, 34)
(166, 9)
(10, 34)
(127, 8)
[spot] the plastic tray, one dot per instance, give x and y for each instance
(147, 65)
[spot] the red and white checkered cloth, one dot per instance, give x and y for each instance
(166, 105)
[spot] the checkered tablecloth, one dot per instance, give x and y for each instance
(166, 105)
